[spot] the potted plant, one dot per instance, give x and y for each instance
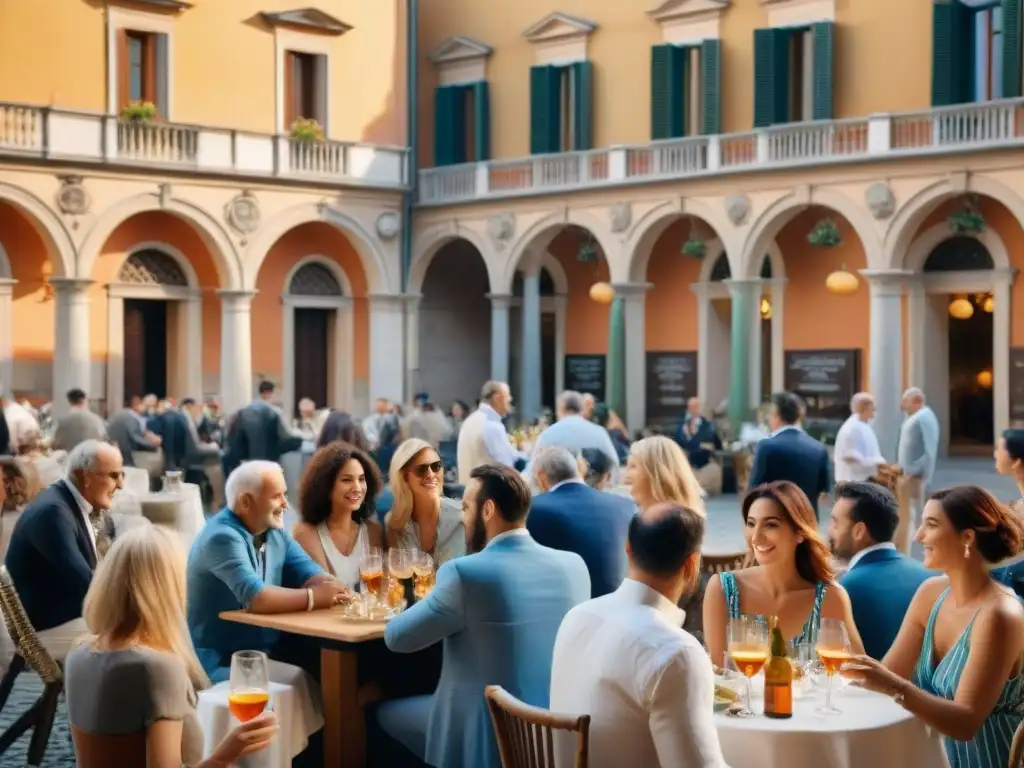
(694, 247)
(306, 129)
(587, 252)
(825, 234)
(139, 112)
(967, 220)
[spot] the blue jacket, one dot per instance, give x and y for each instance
(881, 585)
(593, 524)
(795, 456)
(497, 613)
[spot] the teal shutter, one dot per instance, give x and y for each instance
(1012, 59)
(162, 75)
(482, 120)
(449, 125)
(952, 53)
(679, 87)
(661, 96)
(583, 110)
(822, 46)
(771, 76)
(711, 87)
(545, 109)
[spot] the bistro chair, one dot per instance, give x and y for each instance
(525, 734)
(1017, 748)
(712, 564)
(30, 653)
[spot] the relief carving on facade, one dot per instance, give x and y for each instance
(621, 216)
(880, 200)
(242, 213)
(501, 227)
(388, 225)
(72, 198)
(737, 207)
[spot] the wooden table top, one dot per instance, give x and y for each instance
(329, 624)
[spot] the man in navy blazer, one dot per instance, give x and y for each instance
(880, 580)
(790, 454)
(573, 517)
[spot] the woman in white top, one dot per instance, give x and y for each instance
(421, 517)
(337, 504)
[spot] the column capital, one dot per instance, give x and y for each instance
(69, 285)
(412, 300)
(744, 287)
(389, 300)
(231, 297)
(634, 291)
(7, 286)
(500, 300)
(886, 282)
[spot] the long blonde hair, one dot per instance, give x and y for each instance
(401, 509)
(668, 471)
(138, 592)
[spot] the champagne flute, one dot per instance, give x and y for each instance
(371, 572)
(400, 587)
(748, 649)
(833, 649)
(249, 685)
(423, 574)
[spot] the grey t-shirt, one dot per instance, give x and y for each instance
(122, 692)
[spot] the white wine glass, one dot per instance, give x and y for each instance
(249, 685)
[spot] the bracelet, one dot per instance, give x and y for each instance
(898, 696)
(309, 600)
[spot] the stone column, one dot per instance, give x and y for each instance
(886, 354)
(746, 301)
(757, 350)
(1002, 285)
(634, 359)
(6, 334)
(193, 309)
(71, 358)
(387, 331)
(917, 306)
(778, 350)
(530, 398)
(235, 349)
(500, 303)
(561, 301)
(704, 310)
(412, 343)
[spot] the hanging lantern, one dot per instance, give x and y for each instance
(988, 304)
(841, 282)
(984, 379)
(602, 293)
(766, 309)
(961, 309)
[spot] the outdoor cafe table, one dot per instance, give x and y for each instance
(872, 730)
(344, 724)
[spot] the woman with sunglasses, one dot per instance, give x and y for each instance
(421, 517)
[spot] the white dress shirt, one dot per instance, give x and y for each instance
(857, 454)
(85, 508)
(646, 683)
(496, 438)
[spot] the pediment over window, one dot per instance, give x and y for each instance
(559, 26)
(311, 19)
(786, 13)
(460, 48)
(695, 10)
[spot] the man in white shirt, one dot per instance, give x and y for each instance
(483, 438)
(625, 660)
(371, 424)
(857, 455)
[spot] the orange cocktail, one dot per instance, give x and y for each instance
(245, 705)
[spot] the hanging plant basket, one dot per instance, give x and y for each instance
(306, 129)
(139, 112)
(825, 234)
(695, 248)
(587, 253)
(967, 220)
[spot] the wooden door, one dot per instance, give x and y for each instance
(133, 352)
(311, 355)
(145, 348)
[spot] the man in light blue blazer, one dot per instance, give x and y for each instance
(880, 580)
(498, 612)
(916, 454)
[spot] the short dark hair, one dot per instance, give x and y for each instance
(341, 426)
(266, 388)
(76, 396)
(187, 401)
(874, 505)
(322, 472)
(661, 539)
(788, 405)
(506, 488)
(1014, 439)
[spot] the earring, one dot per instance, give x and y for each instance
(967, 551)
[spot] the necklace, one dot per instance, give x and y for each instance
(349, 540)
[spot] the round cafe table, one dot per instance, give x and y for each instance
(871, 731)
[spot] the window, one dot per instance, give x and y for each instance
(560, 107)
(142, 68)
(801, 76)
(462, 126)
(976, 51)
(793, 74)
(305, 88)
(988, 52)
(685, 86)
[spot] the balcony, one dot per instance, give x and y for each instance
(988, 125)
(53, 134)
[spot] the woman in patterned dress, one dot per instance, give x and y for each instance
(793, 578)
(956, 662)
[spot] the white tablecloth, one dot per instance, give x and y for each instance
(871, 732)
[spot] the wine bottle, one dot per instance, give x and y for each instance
(778, 677)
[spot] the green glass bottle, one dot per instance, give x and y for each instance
(778, 677)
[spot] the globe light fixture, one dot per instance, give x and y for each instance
(961, 309)
(984, 379)
(988, 304)
(602, 293)
(766, 309)
(841, 282)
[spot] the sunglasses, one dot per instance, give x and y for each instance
(420, 470)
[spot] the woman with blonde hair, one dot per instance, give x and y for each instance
(657, 471)
(421, 517)
(138, 672)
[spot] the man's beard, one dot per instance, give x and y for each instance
(275, 520)
(476, 535)
(842, 549)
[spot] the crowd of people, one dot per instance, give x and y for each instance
(568, 571)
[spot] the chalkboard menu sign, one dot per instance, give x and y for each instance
(671, 381)
(1017, 384)
(825, 378)
(585, 373)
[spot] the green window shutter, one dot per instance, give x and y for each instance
(679, 90)
(771, 76)
(545, 109)
(482, 120)
(1012, 59)
(449, 125)
(711, 87)
(822, 45)
(661, 96)
(953, 53)
(583, 110)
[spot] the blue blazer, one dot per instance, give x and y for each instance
(881, 585)
(793, 455)
(497, 612)
(593, 524)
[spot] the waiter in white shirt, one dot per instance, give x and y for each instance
(625, 659)
(857, 455)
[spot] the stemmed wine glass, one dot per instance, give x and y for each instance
(833, 648)
(249, 685)
(423, 574)
(748, 648)
(400, 565)
(371, 572)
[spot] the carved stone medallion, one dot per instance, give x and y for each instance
(880, 200)
(737, 207)
(501, 227)
(72, 197)
(621, 216)
(242, 213)
(388, 224)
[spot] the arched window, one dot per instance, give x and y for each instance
(314, 279)
(152, 267)
(959, 254)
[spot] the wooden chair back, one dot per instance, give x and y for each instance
(525, 734)
(1017, 748)
(712, 564)
(26, 642)
(94, 750)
